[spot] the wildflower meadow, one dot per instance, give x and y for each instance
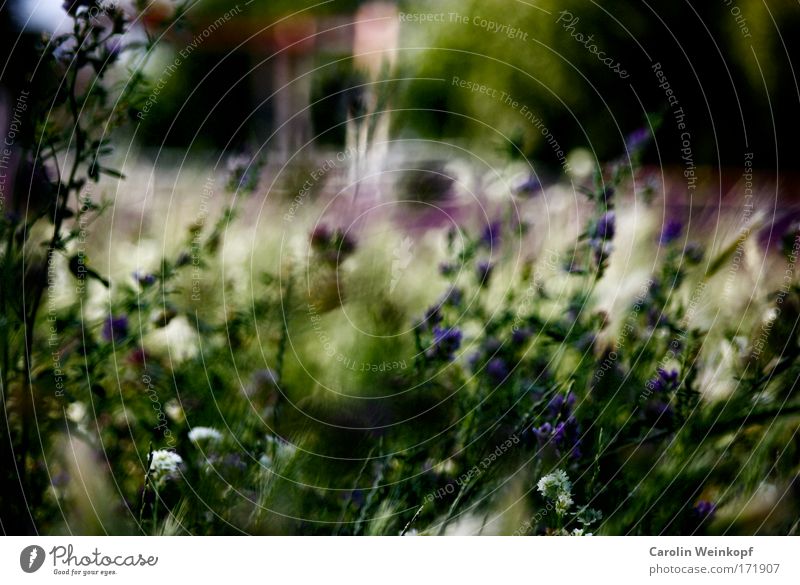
(396, 292)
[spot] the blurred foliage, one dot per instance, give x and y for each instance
(734, 83)
(726, 88)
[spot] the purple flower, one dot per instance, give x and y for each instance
(356, 498)
(63, 54)
(453, 297)
(115, 328)
(555, 405)
(603, 233)
(563, 430)
(532, 186)
(657, 385)
(602, 250)
(571, 398)
(671, 376)
(565, 435)
(519, 336)
(243, 172)
(705, 509)
(637, 139)
(144, 279)
(543, 432)
(60, 479)
(114, 47)
(561, 406)
(665, 381)
(560, 432)
(491, 235)
(606, 226)
(484, 269)
(497, 369)
(445, 343)
(670, 232)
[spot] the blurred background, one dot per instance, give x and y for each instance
(296, 68)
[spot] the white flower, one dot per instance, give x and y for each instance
(554, 485)
(200, 434)
(563, 503)
(164, 466)
(279, 448)
(174, 410)
(580, 532)
(276, 452)
(76, 411)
